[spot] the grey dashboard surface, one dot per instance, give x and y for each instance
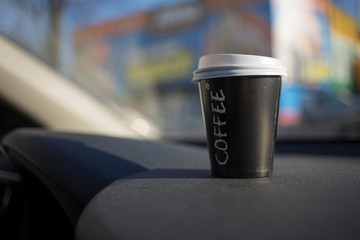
(162, 190)
(74, 167)
(309, 197)
(71, 160)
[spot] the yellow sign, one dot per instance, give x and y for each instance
(147, 73)
(343, 23)
(315, 71)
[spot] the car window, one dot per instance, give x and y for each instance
(140, 55)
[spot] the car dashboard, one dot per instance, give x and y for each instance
(87, 186)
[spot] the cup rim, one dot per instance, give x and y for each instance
(223, 65)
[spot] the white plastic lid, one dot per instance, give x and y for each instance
(226, 65)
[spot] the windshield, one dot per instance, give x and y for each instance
(140, 55)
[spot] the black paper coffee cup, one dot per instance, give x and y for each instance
(240, 103)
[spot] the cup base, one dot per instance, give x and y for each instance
(244, 175)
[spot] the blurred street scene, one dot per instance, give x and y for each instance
(140, 57)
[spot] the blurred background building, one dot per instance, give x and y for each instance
(146, 59)
(140, 55)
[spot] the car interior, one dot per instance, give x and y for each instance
(105, 143)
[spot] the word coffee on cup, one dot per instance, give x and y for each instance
(240, 103)
(218, 112)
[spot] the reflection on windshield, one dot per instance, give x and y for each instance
(141, 55)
